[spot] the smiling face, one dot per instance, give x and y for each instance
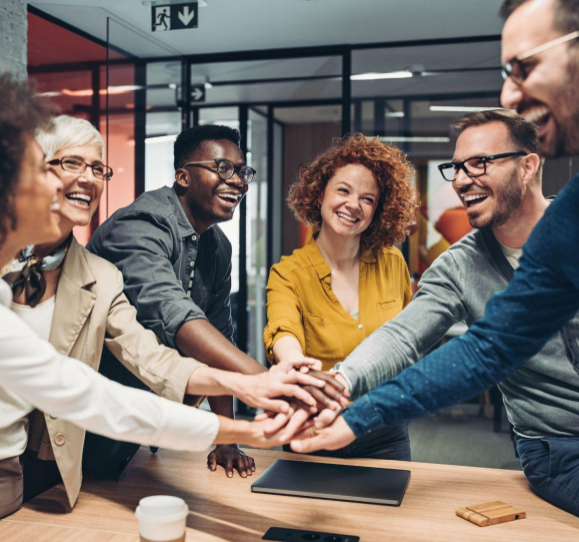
(36, 203)
(349, 201)
(208, 199)
(81, 192)
(495, 197)
(549, 95)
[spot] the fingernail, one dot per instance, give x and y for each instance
(297, 447)
(318, 424)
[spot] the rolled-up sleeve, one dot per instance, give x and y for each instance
(142, 246)
(284, 312)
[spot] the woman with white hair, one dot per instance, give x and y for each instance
(75, 300)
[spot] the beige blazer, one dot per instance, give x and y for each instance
(90, 312)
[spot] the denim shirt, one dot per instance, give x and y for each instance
(172, 274)
(542, 297)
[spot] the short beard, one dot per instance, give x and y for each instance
(567, 143)
(509, 200)
(206, 215)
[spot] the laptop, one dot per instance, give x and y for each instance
(336, 482)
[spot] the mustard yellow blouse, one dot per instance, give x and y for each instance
(301, 304)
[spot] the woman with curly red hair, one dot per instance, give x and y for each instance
(349, 279)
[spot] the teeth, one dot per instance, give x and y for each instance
(472, 197)
(348, 218)
(536, 114)
(82, 197)
(229, 196)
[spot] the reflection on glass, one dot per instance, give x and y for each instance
(257, 234)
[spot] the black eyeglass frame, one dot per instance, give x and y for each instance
(217, 162)
(105, 176)
(509, 71)
(457, 166)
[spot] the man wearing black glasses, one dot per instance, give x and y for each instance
(496, 173)
(177, 269)
(176, 263)
(541, 61)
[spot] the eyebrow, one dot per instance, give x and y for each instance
(364, 194)
(100, 162)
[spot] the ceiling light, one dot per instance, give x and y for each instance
(416, 139)
(388, 75)
(394, 114)
(461, 108)
(160, 139)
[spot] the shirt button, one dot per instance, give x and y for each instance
(192, 264)
(193, 238)
(59, 439)
(360, 326)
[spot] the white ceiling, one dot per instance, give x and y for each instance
(239, 25)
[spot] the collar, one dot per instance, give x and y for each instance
(76, 266)
(185, 227)
(321, 266)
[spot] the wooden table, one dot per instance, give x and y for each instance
(224, 509)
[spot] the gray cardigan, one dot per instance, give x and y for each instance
(541, 398)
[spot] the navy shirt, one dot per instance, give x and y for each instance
(542, 297)
(172, 274)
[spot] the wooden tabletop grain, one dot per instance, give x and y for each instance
(225, 509)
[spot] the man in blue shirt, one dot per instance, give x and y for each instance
(541, 58)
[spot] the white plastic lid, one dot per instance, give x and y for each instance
(161, 508)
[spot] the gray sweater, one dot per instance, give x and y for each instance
(541, 398)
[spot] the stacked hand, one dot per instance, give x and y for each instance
(301, 417)
(291, 392)
(289, 385)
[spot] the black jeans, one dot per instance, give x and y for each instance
(39, 476)
(385, 443)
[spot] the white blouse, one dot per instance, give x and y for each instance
(34, 375)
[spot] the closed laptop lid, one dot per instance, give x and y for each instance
(337, 482)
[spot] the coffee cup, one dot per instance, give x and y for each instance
(162, 519)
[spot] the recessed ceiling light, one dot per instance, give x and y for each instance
(415, 139)
(388, 75)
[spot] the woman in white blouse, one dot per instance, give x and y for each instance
(34, 374)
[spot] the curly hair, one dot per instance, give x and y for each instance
(392, 172)
(21, 114)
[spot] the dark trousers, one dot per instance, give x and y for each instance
(551, 465)
(386, 443)
(39, 475)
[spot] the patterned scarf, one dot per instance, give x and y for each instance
(26, 272)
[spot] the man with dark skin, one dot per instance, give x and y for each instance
(176, 263)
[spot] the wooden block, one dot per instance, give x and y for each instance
(490, 513)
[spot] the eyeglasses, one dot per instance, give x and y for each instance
(515, 68)
(78, 165)
(226, 169)
(473, 167)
